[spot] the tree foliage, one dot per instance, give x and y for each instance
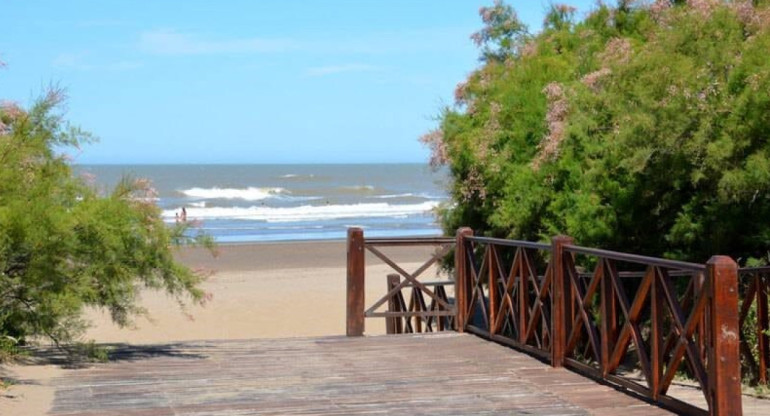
(644, 127)
(63, 246)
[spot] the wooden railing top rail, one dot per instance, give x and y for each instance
(635, 258)
(406, 241)
(433, 283)
(761, 269)
(509, 243)
(640, 274)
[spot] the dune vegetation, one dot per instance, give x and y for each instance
(642, 127)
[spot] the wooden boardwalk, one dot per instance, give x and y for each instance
(449, 373)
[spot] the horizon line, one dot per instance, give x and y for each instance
(243, 163)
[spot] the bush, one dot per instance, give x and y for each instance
(62, 245)
(640, 128)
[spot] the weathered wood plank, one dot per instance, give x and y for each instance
(458, 374)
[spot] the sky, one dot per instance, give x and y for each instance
(290, 81)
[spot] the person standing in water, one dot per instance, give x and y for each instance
(184, 214)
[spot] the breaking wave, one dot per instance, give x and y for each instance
(247, 194)
(305, 212)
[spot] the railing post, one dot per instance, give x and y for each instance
(763, 341)
(609, 322)
(355, 292)
(390, 322)
(724, 363)
(461, 280)
(560, 290)
(493, 295)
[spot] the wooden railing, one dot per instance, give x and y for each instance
(755, 343)
(632, 321)
(429, 308)
(508, 289)
(630, 314)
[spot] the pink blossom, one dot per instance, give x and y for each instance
(555, 117)
(491, 128)
(477, 38)
(144, 192)
(565, 9)
(529, 49)
(617, 50)
(745, 11)
(55, 96)
(11, 110)
(434, 139)
(491, 16)
(473, 185)
(485, 79)
(460, 92)
(703, 7)
(486, 13)
(658, 8)
(592, 80)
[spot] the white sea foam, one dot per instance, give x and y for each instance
(305, 212)
(247, 194)
(406, 195)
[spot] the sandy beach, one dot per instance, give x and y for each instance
(257, 291)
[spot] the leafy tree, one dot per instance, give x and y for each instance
(644, 127)
(62, 245)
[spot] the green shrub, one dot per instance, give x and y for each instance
(642, 128)
(63, 246)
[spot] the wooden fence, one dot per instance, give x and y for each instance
(417, 315)
(625, 319)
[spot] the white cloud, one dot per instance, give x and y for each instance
(337, 69)
(169, 42)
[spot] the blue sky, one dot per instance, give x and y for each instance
(334, 81)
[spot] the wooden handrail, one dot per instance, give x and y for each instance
(666, 316)
(635, 258)
(669, 322)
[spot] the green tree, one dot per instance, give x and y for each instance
(644, 127)
(63, 246)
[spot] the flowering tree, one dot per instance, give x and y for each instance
(62, 245)
(644, 127)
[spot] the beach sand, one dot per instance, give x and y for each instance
(257, 291)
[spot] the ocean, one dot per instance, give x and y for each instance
(261, 203)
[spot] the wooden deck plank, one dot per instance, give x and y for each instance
(447, 373)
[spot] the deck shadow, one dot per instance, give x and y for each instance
(116, 353)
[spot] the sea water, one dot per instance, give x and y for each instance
(259, 203)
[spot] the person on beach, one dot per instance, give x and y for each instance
(184, 214)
